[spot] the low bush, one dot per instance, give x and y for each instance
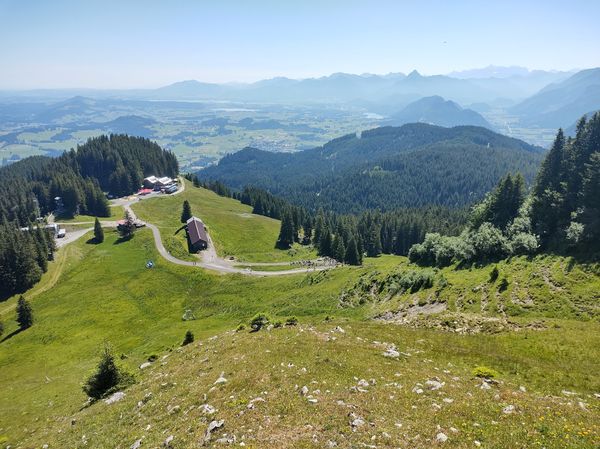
(291, 321)
(503, 285)
(259, 321)
(494, 274)
(484, 372)
(189, 338)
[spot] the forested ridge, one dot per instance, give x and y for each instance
(384, 168)
(346, 237)
(560, 214)
(115, 164)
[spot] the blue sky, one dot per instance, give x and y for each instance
(149, 43)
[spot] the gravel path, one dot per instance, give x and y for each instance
(209, 258)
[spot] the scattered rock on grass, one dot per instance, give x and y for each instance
(508, 409)
(207, 409)
(115, 397)
(434, 384)
(221, 379)
(214, 425)
(441, 437)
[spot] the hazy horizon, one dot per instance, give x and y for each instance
(110, 45)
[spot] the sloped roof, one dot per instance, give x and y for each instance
(196, 230)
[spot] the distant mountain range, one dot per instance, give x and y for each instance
(560, 104)
(543, 99)
(384, 168)
(338, 87)
(437, 111)
(375, 89)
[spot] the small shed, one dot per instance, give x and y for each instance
(197, 236)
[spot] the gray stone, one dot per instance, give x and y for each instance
(115, 397)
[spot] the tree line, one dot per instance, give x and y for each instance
(115, 164)
(24, 257)
(386, 168)
(345, 237)
(560, 214)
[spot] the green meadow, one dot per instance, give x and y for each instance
(97, 294)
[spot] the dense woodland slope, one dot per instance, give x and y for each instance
(560, 214)
(80, 177)
(384, 168)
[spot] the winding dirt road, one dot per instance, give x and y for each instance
(209, 258)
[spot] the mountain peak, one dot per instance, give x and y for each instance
(414, 75)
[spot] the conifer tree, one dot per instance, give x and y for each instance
(24, 313)
(189, 338)
(352, 257)
(107, 378)
(128, 228)
(186, 213)
(98, 231)
(325, 244)
(373, 244)
(307, 226)
(286, 233)
(339, 250)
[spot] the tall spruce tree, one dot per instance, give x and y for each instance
(286, 232)
(326, 244)
(339, 250)
(352, 256)
(24, 314)
(98, 231)
(186, 213)
(127, 229)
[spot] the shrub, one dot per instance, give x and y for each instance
(494, 274)
(328, 318)
(503, 285)
(107, 378)
(484, 372)
(152, 358)
(240, 327)
(524, 243)
(259, 321)
(278, 324)
(189, 338)
(291, 321)
(487, 243)
(188, 315)
(442, 282)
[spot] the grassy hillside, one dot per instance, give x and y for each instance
(356, 397)
(234, 229)
(97, 293)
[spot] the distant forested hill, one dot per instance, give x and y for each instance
(385, 168)
(437, 111)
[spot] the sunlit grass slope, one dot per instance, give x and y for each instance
(234, 229)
